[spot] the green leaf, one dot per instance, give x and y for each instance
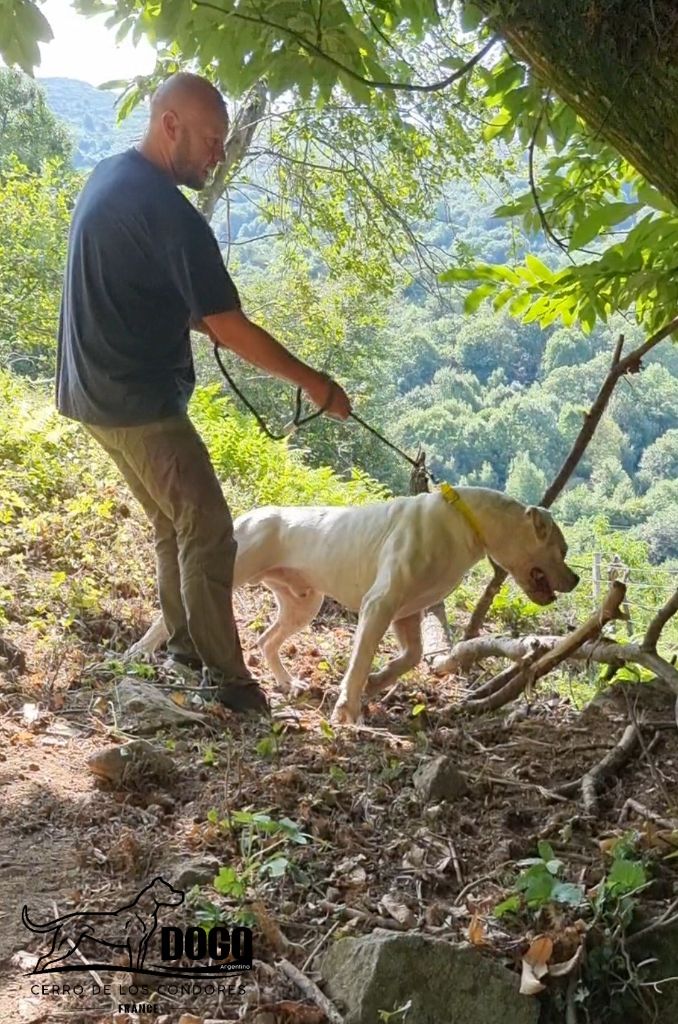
(626, 876)
(471, 16)
(545, 850)
(511, 905)
(568, 893)
(650, 196)
(603, 217)
(275, 867)
(229, 883)
(327, 730)
(417, 709)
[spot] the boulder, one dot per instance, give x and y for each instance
(441, 982)
(439, 779)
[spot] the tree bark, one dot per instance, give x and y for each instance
(239, 139)
(615, 62)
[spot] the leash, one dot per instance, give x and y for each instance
(448, 492)
(297, 420)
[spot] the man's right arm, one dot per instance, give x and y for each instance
(235, 332)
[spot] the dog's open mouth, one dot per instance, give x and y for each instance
(541, 590)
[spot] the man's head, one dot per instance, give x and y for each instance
(188, 128)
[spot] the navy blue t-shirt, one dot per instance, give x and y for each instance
(143, 264)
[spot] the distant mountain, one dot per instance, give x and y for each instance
(91, 115)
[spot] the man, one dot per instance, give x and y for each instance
(143, 266)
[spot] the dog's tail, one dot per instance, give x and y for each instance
(48, 927)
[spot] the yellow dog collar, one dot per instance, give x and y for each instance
(453, 497)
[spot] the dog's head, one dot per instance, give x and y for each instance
(536, 557)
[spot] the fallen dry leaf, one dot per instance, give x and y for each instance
(535, 966)
(289, 1012)
(560, 970)
(530, 984)
(477, 931)
(22, 737)
(398, 911)
(540, 951)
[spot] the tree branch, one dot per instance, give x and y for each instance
(602, 652)
(311, 47)
(630, 364)
(653, 633)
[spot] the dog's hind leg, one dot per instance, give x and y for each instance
(296, 608)
(408, 633)
(376, 613)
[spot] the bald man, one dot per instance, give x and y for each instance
(143, 266)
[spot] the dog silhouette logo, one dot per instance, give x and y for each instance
(129, 930)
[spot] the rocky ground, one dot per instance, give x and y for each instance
(314, 834)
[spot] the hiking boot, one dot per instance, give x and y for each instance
(239, 693)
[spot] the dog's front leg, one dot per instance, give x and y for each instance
(408, 633)
(154, 636)
(376, 613)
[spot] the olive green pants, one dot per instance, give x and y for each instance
(168, 470)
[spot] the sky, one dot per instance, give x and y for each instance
(84, 48)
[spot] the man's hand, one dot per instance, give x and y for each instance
(234, 331)
(329, 396)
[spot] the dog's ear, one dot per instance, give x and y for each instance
(540, 520)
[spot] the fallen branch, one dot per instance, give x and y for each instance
(530, 673)
(310, 990)
(645, 812)
(593, 781)
(619, 367)
(605, 652)
(353, 914)
(666, 919)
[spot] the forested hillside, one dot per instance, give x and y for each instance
(493, 401)
(465, 212)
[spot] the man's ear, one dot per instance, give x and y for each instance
(541, 522)
(170, 124)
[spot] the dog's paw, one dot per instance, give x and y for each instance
(343, 714)
(377, 682)
(298, 686)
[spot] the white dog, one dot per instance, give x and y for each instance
(388, 561)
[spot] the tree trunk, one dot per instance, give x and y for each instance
(245, 123)
(613, 61)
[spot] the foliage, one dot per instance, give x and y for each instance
(68, 522)
(34, 216)
(539, 882)
(29, 131)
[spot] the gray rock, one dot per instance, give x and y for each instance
(196, 871)
(134, 765)
(445, 984)
(144, 708)
(439, 779)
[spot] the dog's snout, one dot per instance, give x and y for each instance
(572, 581)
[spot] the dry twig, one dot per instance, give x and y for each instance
(310, 990)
